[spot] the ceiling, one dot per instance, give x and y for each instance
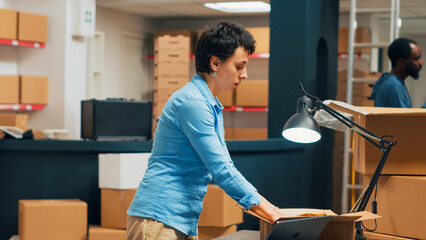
(413, 12)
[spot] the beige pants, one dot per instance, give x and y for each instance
(140, 228)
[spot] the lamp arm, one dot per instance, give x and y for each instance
(363, 199)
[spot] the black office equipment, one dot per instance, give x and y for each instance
(299, 229)
(116, 119)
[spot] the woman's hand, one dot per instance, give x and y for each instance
(267, 211)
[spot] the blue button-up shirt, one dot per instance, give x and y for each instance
(189, 148)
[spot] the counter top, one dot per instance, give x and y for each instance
(132, 146)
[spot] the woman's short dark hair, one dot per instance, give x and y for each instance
(399, 48)
(221, 40)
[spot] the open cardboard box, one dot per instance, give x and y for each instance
(340, 227)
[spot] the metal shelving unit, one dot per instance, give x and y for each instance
(393, 11)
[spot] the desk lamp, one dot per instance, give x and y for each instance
(303, 128)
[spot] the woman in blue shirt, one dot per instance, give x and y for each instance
(189, 147)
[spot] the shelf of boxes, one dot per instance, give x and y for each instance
(245, 109)
(19, 43)
(22, 107)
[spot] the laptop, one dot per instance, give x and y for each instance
(299, 229)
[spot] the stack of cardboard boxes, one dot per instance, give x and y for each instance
(171, 69)
(361, 91)
(119, 178)
(220, 214)
(400, 187)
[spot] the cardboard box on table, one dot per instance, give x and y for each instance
(405, 124)
(19, 120)
(114, 206)
(100, 233)
(52, 219)
(219, 209)
(400, 202)
(341, 227)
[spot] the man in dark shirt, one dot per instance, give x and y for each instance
(390, 89)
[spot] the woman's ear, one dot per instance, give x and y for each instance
(214, 63)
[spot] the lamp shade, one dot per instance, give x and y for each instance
(302, 127)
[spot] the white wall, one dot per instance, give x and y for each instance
(116, 26)
(63, 61)
(198, 23)
(417, 88)
(49, 61)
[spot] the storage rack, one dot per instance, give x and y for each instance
(394, 12)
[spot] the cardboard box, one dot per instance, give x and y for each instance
(187, 34)
(9, 87)
(262, 37)
(250, 133)
(219, 209)
(100, 233)
(379, 236)
(158, 108)
(8, 23)
(400, 202)
(207, 233)
(405, 124)
(164, 94)
(32, 27)
(165, 83)
(19, 120)
(114, 206)
(34, 90)
(167, 41)
(227, 99)
(252, 93)
(52, 219)
(362, 35)
(171, 56)
(341, 227)
(229, 133)
(168, 69)
(237, 119)
(122, 170)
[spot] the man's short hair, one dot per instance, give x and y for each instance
(399, 48)
(221, 40)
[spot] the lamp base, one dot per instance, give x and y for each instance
(359, 234)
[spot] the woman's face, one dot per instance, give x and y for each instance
(231, 72)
